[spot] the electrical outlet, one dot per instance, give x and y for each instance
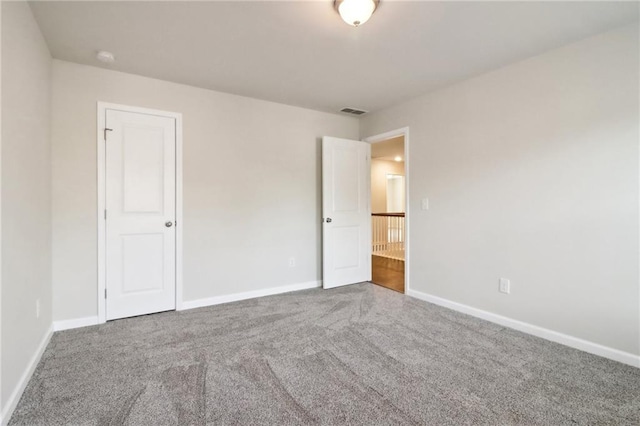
(425, 204)
(37, 308)
(504, 286)
(292, 262)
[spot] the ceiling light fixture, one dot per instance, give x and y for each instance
(106, 57)
(398, 158)
(355, 12)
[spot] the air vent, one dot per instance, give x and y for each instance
(353, 111)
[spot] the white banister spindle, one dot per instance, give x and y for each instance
(388, 235)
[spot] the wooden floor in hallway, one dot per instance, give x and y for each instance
(387, 273)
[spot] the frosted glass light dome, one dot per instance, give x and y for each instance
(356, 12)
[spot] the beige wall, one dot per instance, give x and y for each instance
(25, 192)
(251, 185)
(379, 171)
(532, 174)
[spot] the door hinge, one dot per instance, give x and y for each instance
(105, 214)
(105, 293)
(105, 132)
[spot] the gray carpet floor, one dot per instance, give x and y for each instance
(359, 354)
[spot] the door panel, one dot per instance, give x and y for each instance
(346, 212)
(140, 202)
(346, 198)
(143, 169)
(347, 246)
(142, 263)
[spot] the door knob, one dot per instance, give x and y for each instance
(168, 224)
(328, 220)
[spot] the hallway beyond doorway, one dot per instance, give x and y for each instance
(387, 273)
(388, 211)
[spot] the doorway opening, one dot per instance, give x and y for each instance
(388, 212)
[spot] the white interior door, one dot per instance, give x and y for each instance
(346, 236)
(140, 214)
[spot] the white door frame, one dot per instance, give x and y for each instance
(101, 205)
(404, 131)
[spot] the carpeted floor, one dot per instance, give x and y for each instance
(360, 354)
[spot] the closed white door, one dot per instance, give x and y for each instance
(140, 213)
(346, 236)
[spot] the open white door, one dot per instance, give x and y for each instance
(140, 213)
(346, 224)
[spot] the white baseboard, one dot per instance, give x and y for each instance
(210, 301)
(93, 320)
(74, 323)
(13, 400)
(554, 336)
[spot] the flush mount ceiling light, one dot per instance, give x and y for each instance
(355, 12)
(106, 57)
(398, 158)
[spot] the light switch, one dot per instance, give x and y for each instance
(504, 286)
(425, 204)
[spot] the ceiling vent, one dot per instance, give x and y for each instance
(353, 111)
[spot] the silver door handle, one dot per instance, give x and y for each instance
(328, 220)
(168, 224)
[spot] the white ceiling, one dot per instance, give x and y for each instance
(301, 52)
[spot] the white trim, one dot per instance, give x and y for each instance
(210, 301)
(1, 416)
(13, 400)
(75, 323)
(554, 336)
(179, 222)
(101, 202)
(89, 321)
(403, 131)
